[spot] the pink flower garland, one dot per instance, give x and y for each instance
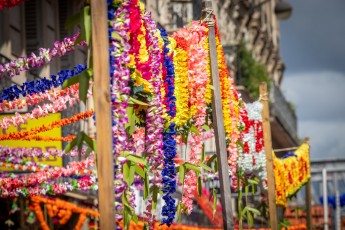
(57, 105)
(195, 36)
(9, 3)
(38, 152)
(84, 183)
(74, 168)
(34, 99)
(15, 67)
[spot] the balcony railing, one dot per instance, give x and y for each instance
(281, 110)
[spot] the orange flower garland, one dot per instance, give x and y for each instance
(62, 210)
(39, 138)
(43, 128)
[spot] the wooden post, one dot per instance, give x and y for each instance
(269, 160)
(217, 114)
(308, 195)
(105, 163)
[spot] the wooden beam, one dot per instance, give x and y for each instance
(269, 160)
(105, 163)
(217, 114)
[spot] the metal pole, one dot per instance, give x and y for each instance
(105, 167)
(217, 114)
(337, 202)
(325, 201)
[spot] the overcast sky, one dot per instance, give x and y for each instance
(313, 48)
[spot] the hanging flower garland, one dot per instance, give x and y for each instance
(9, 3)
(21, 153)
(193, 39)
(43, 128)
(291, 173)
(58, 105)
(73, 168)
(15, 67)
(231, 110)
(83, 183)
(60, 209)
(169, 143)
(252, 161)
(40, 86)
(40, 138)
(34, 99)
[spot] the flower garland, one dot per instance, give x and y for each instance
(57, 105)
(40, 138)
(193, 40)
(61, 209)
(40, 86)
(231, 111)
(74, 168)
(84, 183)
(15, 67)
(119, 81)
(169, 143)
(19, 152)
(34, 99)
(291, 173)
(9, 3)
(253, 159)
(43, 128)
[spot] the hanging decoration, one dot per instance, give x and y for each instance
(9, 3)
(291, 173)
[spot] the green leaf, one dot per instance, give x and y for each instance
(154, 199)
(80, 138)
(182, 173)
(246, 189)
(125, 170)
(136, 159)
(86, 26)
(130, 126)
(203, 153)
(194, 130)
(253, 210)
(88, 141)
(70, 81)
(139, 171)
(84, 79)
(215, 166)
(206, 127)
(209, 162)
(192, 167)
(212, 87)
(214, 200)
(253, 181)
(135, 101)
(178, 211)
(146, 185)
(199, 186)
(131, 174)
(250, 219)
(71, 145)
(88, 151)
(202, 165)
(146, 227)
(135, 218)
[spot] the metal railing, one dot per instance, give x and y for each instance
(282, 111)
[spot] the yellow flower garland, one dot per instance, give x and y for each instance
(208, 93)
(181, 86)
(291, 174)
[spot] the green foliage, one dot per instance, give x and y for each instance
(252, 72)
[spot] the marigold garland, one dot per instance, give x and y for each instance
(291, 173)
(41, 138)
(43, 128)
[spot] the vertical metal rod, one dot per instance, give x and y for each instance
(308, 195)
(217, 114)
(337, 202)
(105, 167)
(269, 160)
(325, 201)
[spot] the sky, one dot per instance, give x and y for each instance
(312, 45)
